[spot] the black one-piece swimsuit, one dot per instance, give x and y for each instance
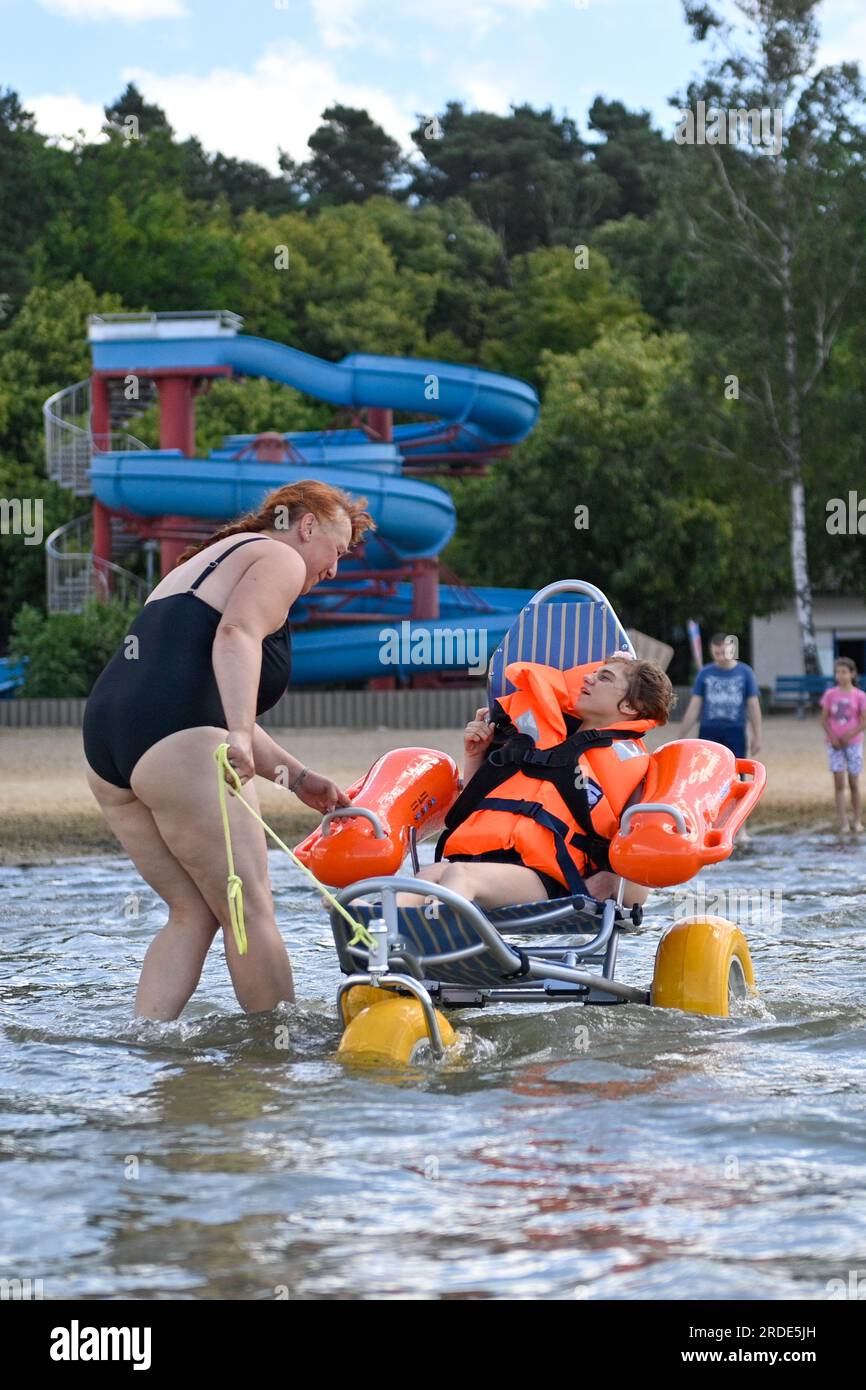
(166, 682)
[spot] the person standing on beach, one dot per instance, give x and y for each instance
(209, 651)
(843, 719)
(725, 704)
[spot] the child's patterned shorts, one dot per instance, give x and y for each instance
(848, 759)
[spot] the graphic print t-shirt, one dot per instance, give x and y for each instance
(724, 694)
(846, 710)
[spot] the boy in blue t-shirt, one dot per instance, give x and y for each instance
(725, 700)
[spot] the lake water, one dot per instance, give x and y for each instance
(594, 1153)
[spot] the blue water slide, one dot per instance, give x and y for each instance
(414, 519)
(355, 652)
(502, 409)
(475, 411)
(415, 516)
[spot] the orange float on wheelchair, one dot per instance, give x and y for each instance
(693, 805)
(408, 790)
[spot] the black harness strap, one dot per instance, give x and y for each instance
(558, 828)
(556, 765)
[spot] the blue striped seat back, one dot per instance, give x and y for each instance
(556, 634)
(428, 939)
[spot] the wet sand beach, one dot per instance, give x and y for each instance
(47, 811)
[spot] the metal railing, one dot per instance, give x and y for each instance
(223, 319)
(74, 574)
(67, 437)
(69, 443)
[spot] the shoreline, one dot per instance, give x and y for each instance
(47, 811)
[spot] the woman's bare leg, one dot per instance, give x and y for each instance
(173, 963)
(177, 780)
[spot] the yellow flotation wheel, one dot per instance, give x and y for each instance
(360, 997)
(702, 966)
(392, 1029)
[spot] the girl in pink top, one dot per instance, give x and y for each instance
(843, 718)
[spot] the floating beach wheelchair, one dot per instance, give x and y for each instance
(410, 966)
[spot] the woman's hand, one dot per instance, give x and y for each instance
(321, 793)
(241, 754)
(478, 734)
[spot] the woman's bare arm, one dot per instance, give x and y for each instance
(257, 605)
(273, 762)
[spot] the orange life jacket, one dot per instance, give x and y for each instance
(558, 791)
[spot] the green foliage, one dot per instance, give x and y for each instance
(629, 164)
(44, 349)
(352, 160)
(773, 266)
(469, 256)
(33, 181)
(666, 537)
(522, 174)
(553, 306)
(253, 405)
(67, 651)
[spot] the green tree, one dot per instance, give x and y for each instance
(67, 651)
(629, 165)
(32, 184)
(553, 305)
(162, 252)
(780, 230)
(662, 537)
(352, 160)
(523, 175)
(43, 349)
(647, 261)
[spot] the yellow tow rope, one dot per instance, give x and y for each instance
(235, 887)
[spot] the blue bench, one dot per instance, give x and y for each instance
(12, 674)
(802, 692)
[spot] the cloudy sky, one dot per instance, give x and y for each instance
(250, 76)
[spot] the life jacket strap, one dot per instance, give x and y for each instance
(558, 828)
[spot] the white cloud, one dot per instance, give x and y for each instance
(60, 116)
(131, 11)
(843, 32)
(250, 115)
(337, 21)
(353, 23)
(484, 93)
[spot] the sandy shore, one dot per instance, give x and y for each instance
(46, 809)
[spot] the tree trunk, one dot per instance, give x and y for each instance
(800, 572)
(794, 452)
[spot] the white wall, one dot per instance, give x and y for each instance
(776, 640)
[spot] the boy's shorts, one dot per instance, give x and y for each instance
(729, 735)
(848, 759)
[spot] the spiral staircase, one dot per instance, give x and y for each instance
(73, 573)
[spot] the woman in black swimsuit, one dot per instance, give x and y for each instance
(210, 650)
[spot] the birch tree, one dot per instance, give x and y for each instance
(770, 186)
